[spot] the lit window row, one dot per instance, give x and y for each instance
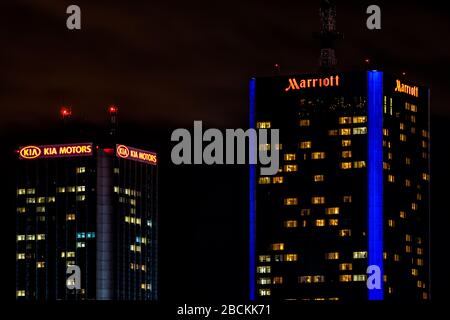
(289, 156)
(69, 254)
(278, 246)
(305, 145)
(84, 235)
(311, 279)
(349, 277)
(71, 189)
(31, 237)
(133, 220)
(81, 244)
(135, 248)
(263, 269)
(350, 165)
(20, 293)
(359, 254)
(146, 286)
(318, 155)
(26, 191)
(263, 125)
(304, 123)
(136, 266)
(142, 240)
(264, 258)
(290, 201)
(318, 200)
(81, 169)
(349, 120)
(70, 216)
(410, 107)
(332, 255)
(318, 178)
(264, 292)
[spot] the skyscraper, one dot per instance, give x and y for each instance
(352, 189)
(90, 205)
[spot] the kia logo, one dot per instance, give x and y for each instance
(123, 151)
(30, 152)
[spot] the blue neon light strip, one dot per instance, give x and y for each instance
(375, 176)
(252, 206)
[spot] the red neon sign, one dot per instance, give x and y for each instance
(55, 151)
(130, 153)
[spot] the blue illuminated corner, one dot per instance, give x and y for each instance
(252, 205)
(375, 176)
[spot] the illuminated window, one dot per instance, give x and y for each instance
(345, 131)
(290, 167)
(391, 223)
(304, 223)
(360, 130)
(318, 178)
(21, 191)
(263, 269)
(425, 176)
(347, 199)
(51, 199)
(419, 240)
(402, 137)
(70, 189)
(414, 206)
(264, 258)
(305, 212)
(305, 279)
(333, 132)
(277, 280)
(31, 200)
(81, 197)
(391, 178)
(396, 257)
(264, 180)
(413, 130)
(81, 169)
(40, 264)
(21, 210)
(332, 255)
(81, 244)
(40, 209)
(345, 266)
(41, 236)
(31, 191)
(345, 278)
(304, 123)
(31, 237)
(424, 133)
(386, 166)
(419, 251)
(278, 246)
(360, 119)
(346, 143)
(345, 233)
(60, 189)
(419, 196)
(277, 179)
(385, 132)
(402, 214)
(414, 272)
(317, 279)
(389, 155)
(318, 200)
(290, 224)
(290, 257)
(81, 188)
(407, 183)
(289, 156)
(359, 164)
(290, 201)
(20, 237)
(345, 120)
(408, 237)
(346, 154)
(71, 254)
(420, 262)
(264, 281)
(20, 256)
(402, 126)
(320, 223)
(424, 155)
(20, 293)
(305, 144)
(359, 254)
(333, 222)
(334, 210)
(345, 165)
(41, 200)
(70, 216)
(263, 125)
(318, 155)
(264, 292)
(359, 277)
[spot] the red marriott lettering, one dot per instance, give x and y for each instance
(130, 153)
(294, 84)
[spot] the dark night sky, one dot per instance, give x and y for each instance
(168, 64)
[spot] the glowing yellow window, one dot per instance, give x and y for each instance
(318, 178)
(407, 183)
(345, 266)
(359, 164)
(333, 132)
(396, 257)
(332, 255)
(425, 133)
(263, 269)
(402, 214)
(345, 233)
(21, 256)
(345, 165)
(305, 144)
(345, 278)
(414, 206)
(289, 156)
(346, 143)
(359, 254)
(359, 277)
(291, 224)
(304, 123)
(318, 155)
(425, 176)
(419, 251)
(264, 180)
(345, 120)
(408, 161)
(386, 166)
(70, 216)
(20, 293)
(347, 199)
(391, 223)
(402, 137)
(264, 258)
(318, 200)
(408, 237)
(263, 125)
(278, 246)
(333, 210)
(320, 223)
(414, 272)
(40, 264)
(290, 168)
(391, 178)
(290, 201)
(346, 154)
(290, 257)
(277, 280)
(277, 179)
(345, 131)
(360, 130)
(386, 132)
(360, 119)
(333, 222)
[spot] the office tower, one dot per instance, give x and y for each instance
(89, 205)
(352, 189)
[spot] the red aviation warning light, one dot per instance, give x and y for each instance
(113, 109)
(65, 112)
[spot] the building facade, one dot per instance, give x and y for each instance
(352, 189)
(92, 206)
